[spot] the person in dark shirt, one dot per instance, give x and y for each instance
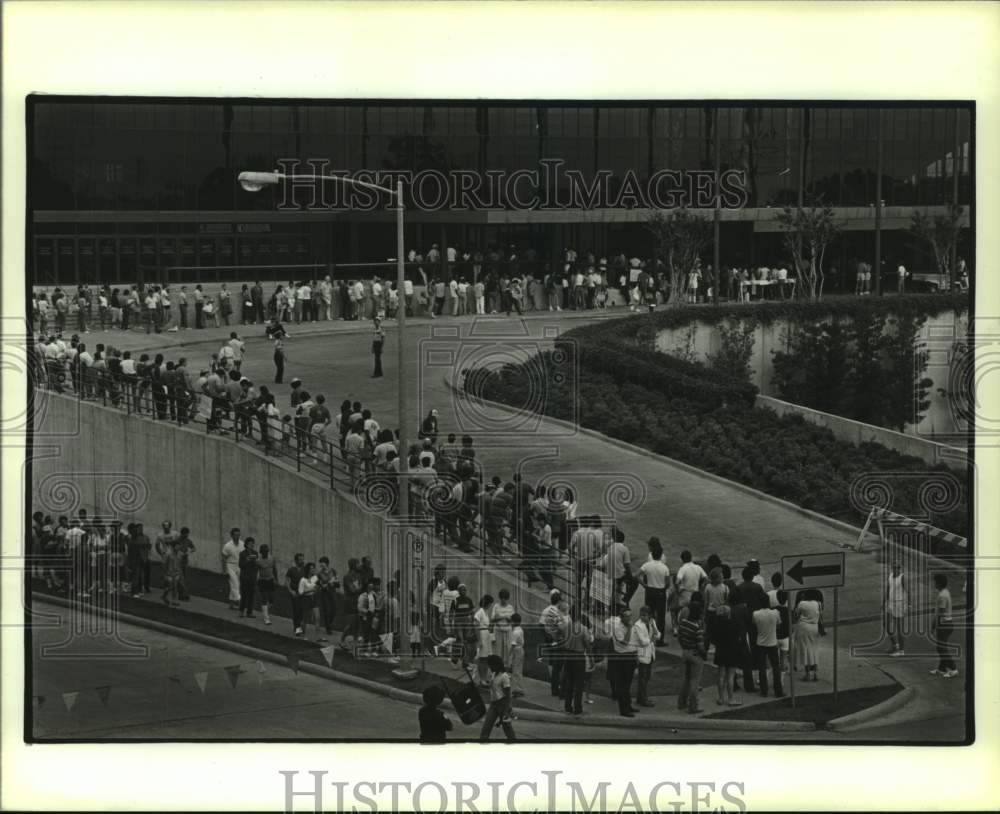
(433, 723)
(744, 599)
(248, 576)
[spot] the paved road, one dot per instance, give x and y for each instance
(156, 694)
(648, 496)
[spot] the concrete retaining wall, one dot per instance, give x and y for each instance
(858, 432)
(139, 470)
(938, 332)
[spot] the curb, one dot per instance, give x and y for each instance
(541, 716)
(839, 525)
(863, 716)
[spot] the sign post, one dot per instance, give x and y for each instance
(804, 571)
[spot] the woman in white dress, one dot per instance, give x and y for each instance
(484, 646)
(808, 613)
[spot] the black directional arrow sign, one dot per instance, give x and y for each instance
(813, 571)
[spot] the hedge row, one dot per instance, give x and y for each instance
(674, 378)
(780, 455)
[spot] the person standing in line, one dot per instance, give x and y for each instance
(165, 540)
(199, 307)
(482, 620)
(480, 295)
(894, 604)
(727, 655)
(249, 573)
(327, 594)
(691, 578)
(902, 274)
(231, 550)
(225, 304)
(293, 577)
(576, 638)
(942, 628)
(500, 708)
(515, 655)
(623, 660)
(646, 635)
(182, 307)
(550, 620)
(378, 340)
(766, 620)
(691, 634)
(655, 577)
(171, 574)
(808, 613)
(500, 617)
(138, 551)
(308, 586)
(267, 579)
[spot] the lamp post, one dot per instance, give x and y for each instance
(256, 181)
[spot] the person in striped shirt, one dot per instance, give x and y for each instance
(691, 635)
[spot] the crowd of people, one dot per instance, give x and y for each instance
(455, 282)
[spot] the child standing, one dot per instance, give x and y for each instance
(416, 636)
(515, 655)
(500, 701)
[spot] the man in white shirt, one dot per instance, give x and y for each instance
(462, 290)
(326, 293)
(551, 620)
(901, 272)
(623, 660)
(765, 622)
(408, 296)
(451, 253)
(655, 577)
(358, 293)
(691, 577)
(302, 299)
(230, 557)
(238, 346)
(618, 566)
(645, 633)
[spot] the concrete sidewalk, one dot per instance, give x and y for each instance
(215, 620)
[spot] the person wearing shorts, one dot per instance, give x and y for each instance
(267, 578)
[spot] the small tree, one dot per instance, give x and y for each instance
(808, 231)
(737, 339)
(905, 362)
(680, 237)
(941, 233)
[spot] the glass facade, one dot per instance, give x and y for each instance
(105, 176)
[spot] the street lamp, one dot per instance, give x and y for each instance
(255, 182)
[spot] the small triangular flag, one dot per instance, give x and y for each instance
(386, 639)
(260, 667)
(234, 674)
(293, 662)
(103, 693)
(201, 679)
(69, 699)
(328, 654)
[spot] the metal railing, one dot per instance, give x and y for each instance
(498, 541)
